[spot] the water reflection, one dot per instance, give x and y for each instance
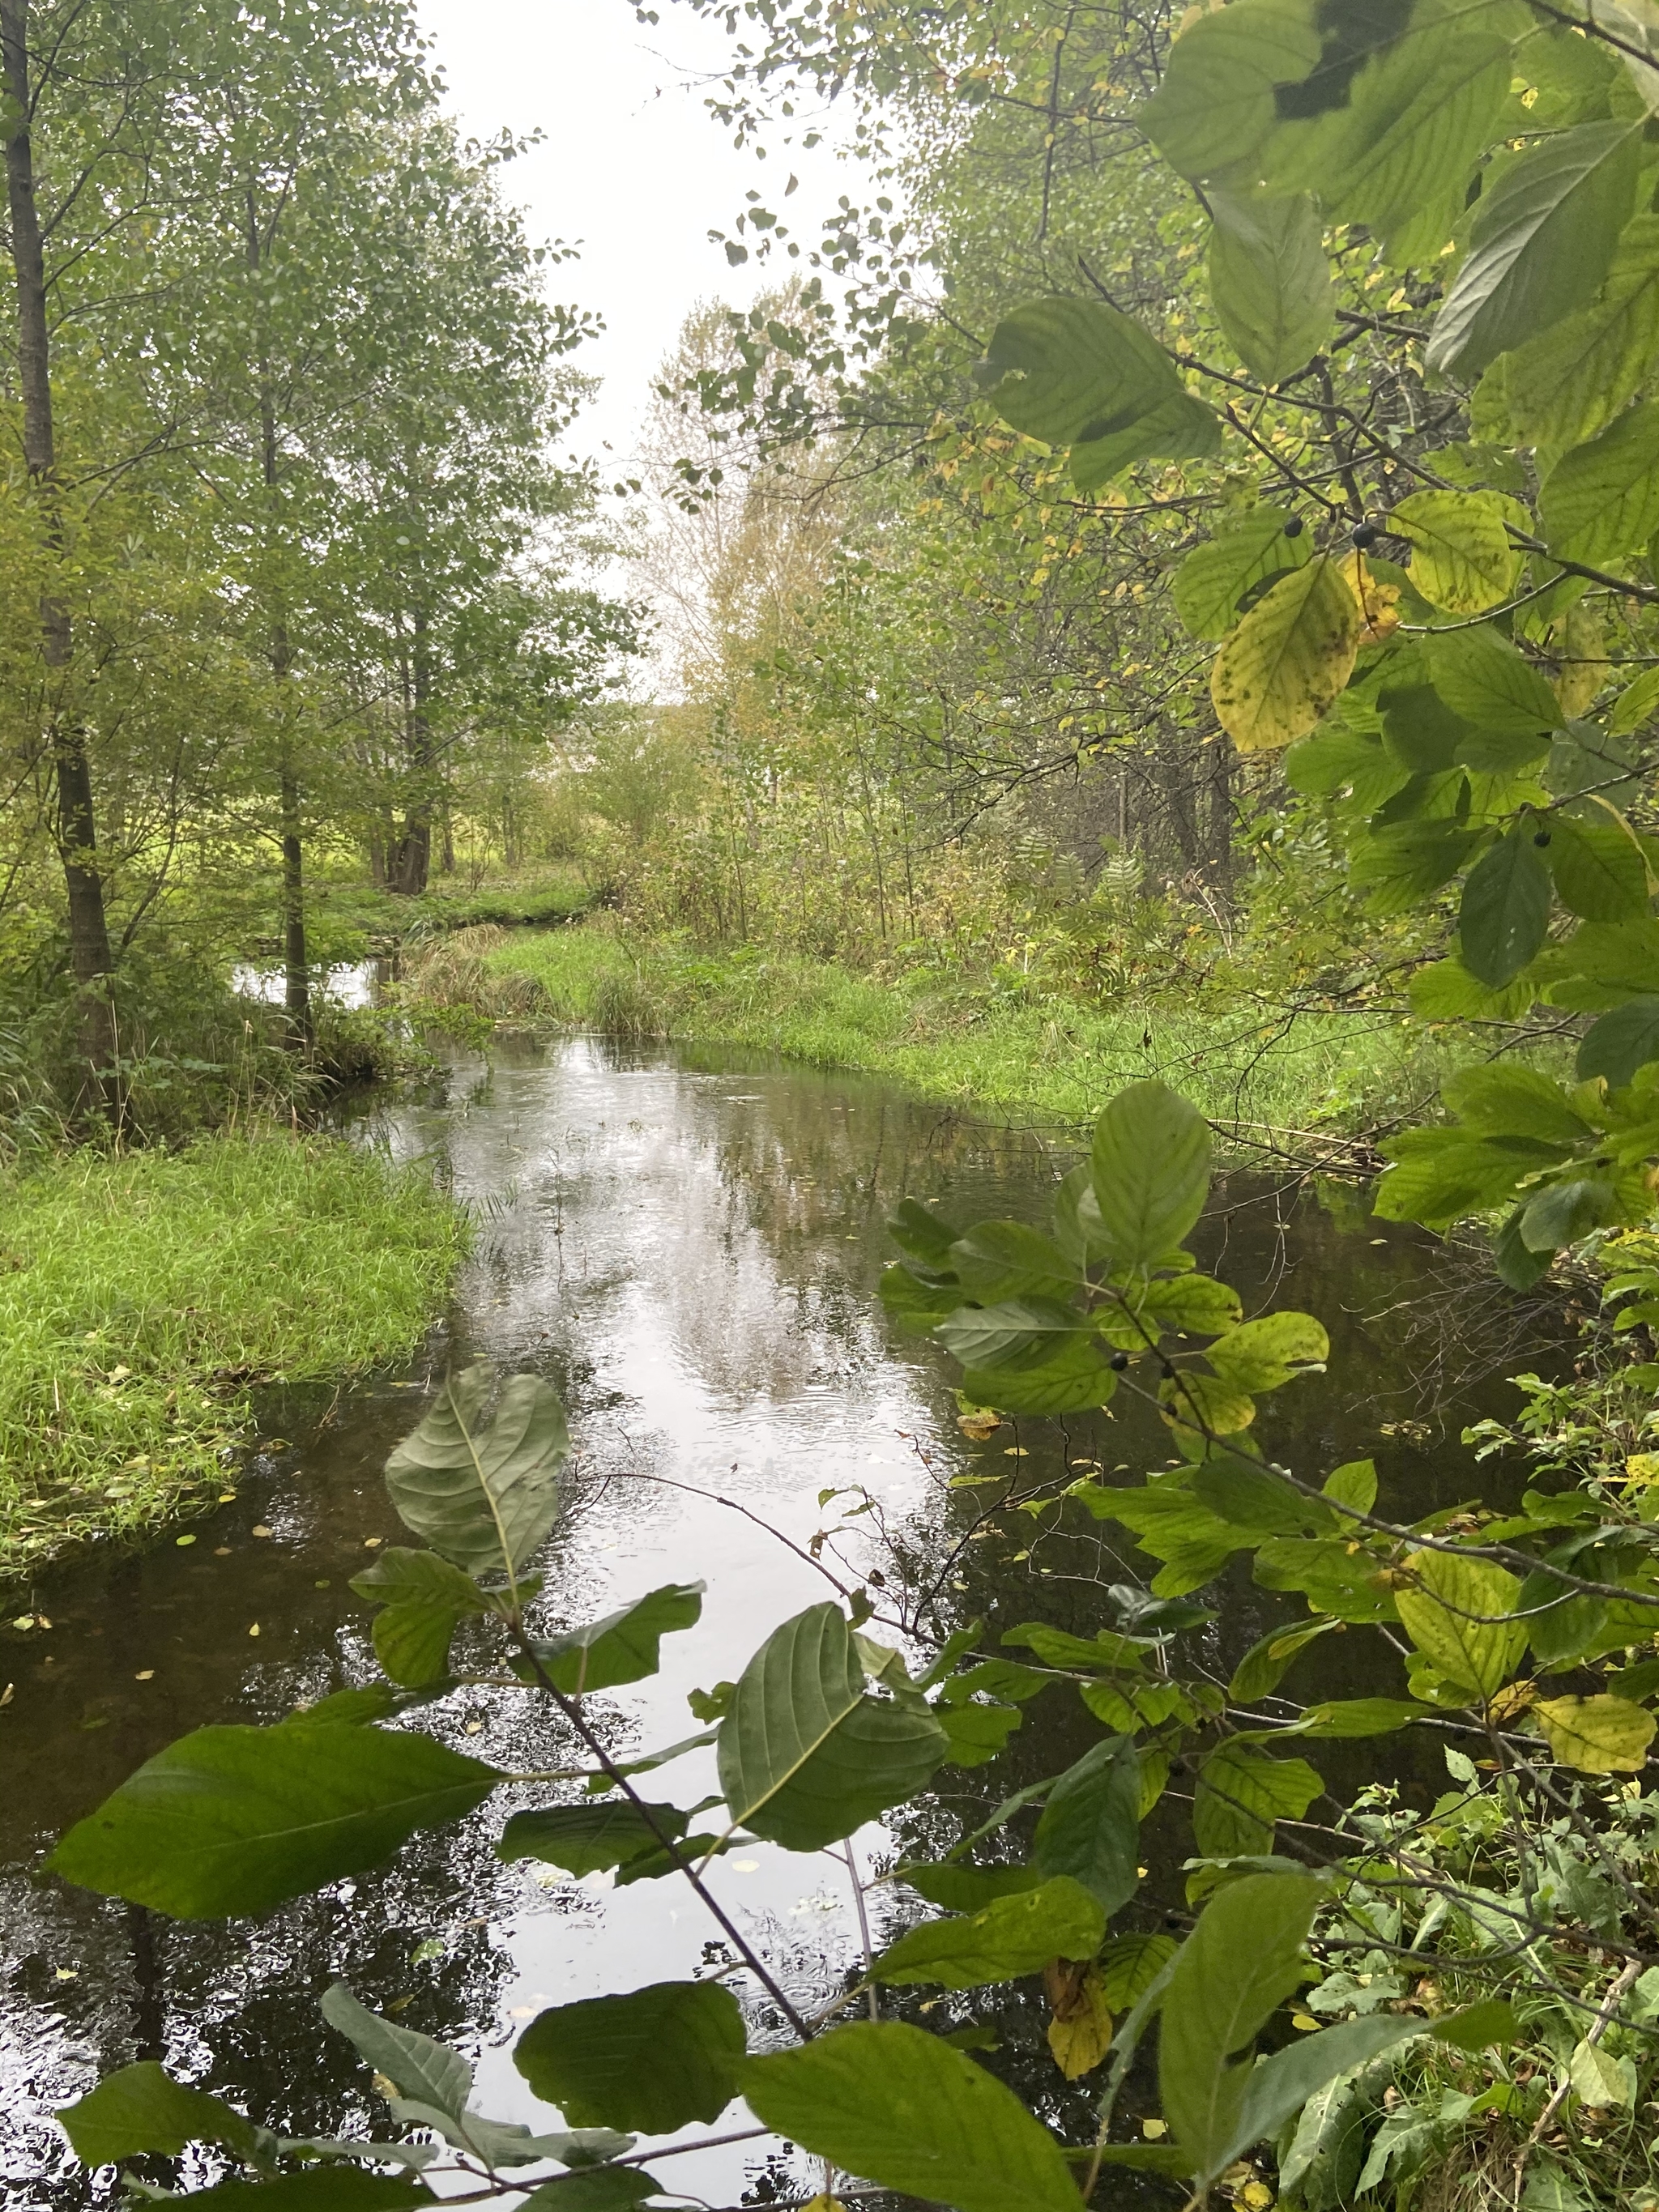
(689, 1252)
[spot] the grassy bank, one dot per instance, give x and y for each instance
(1267, 1075)
(140, 1297)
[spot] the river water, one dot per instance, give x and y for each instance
(689, 1250)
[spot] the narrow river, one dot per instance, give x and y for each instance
(689, 1251)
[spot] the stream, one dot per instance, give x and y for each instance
(688, 1249)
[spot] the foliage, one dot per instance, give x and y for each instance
(1363, 1990)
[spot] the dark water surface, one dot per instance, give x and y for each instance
(690, 1252)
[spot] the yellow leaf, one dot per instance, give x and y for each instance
(1379, 603)
(1462, 558)
(1641, 1467)
(1288, 660)
(1080, 2032)
(1596, 1736)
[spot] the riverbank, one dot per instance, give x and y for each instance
(141, 1297)
(1275, 1079)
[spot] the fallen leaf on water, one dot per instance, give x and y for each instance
(254, 1630)
(262, 1530)
(145, 1674)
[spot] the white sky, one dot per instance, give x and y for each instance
(632, 165)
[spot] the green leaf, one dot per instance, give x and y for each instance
(1340, 762)
(1071, 1381)
(1445, 991)
(582, 1838)
(805, 1757)
(650, 2061)
(1107, 1653)
(1241, 1792)
(1486, 681)
(239, 1819)
(1261, 1355)
(1635, 705)
(1502, 1100)
(1542, 242)
(142, 2108)
(1400, 865)
(485, 1498)
(1447, 1612)
(419, 2068)
(1213, 578)
(1599, 871)
(1419, 730)
(961, 1888)
(1565, 384)
(1332, 1579)
(321, 2189)
(1620, 1042)
(1194, 1305)
(1478, 2026)
(1201, 1407)
(1255, 1499)
(1270, 282)
(1005, 1260)
(424, 1600)
(1264, 1665)
(912, 2114)
(1173, 1526)
(1151, 1171)
(1346, 1717)
(916, 1306)
(596, 2189)
(625, 1646)
(1596, 1736)
(1076, 372)
(1218, 102)
(1015, 1333)
(1129, 1965)
(1240, 1963)
(1602, 500)
(1419, 117)
(1461, 559)
(1353, 1484)
(1561, 1212)
(1438, 1176)
(1289, 659)
(1010, 1937)
(1505, 914)
(1283, 2083)
(1090, 1826)
(1600, 2078)
(976, 1733)
(923, 1238)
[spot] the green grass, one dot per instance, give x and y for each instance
(1259, 1072)
(141, 1297)
(347, 917)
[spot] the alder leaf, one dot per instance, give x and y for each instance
(1270, 282)
(484, 1496)
(1461, 559)
(1596, 1736)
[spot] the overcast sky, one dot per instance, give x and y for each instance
(632, 165)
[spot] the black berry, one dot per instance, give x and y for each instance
(1120, 1360)
(1365, 535)
(1295, 527)
(1542, 838)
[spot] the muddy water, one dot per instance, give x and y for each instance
(689, 1252)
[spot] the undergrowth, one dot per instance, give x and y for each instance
(141, 1296)
(1268, 1075)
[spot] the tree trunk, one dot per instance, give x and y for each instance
(1221, 817)
(75, 824)
(412, 863)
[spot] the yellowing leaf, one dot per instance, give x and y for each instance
(1080, 2032)
(1579, 644)
(1378, 603)
(1288, 660)
(1461, 558)
(1453, 1611)
(1596, 1736)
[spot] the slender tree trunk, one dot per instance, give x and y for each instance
(75, 824)
(413, 862)
(296, 971)
(1221, 819)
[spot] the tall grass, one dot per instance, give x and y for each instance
(141, 1297)
(1267, 1076)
